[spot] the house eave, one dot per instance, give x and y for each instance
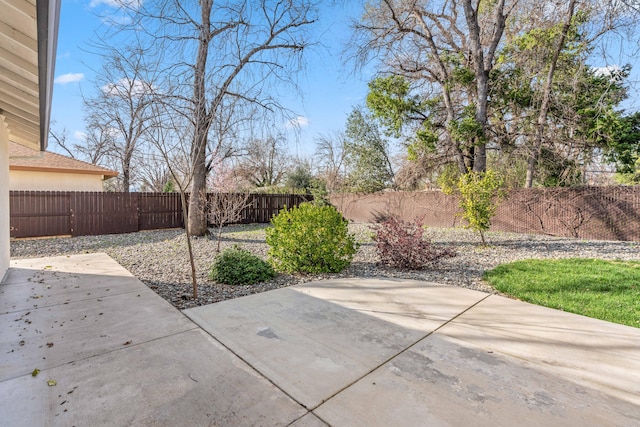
(105, 173)
(48, 18)
(28, 39)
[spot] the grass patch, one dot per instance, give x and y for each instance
(606, 290)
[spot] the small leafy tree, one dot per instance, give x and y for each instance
(366, 152)
(310, 239)
(479, 195)
(402, 244)
(300, 179)
(624, 148)
(169, 187)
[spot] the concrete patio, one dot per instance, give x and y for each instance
(342, 352)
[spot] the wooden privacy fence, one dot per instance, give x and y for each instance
(607, 213)
(56, 213)
(604, 213)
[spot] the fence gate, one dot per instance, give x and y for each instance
(39, 213)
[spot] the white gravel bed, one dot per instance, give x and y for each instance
(160, 258)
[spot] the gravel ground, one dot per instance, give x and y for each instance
(160, 260)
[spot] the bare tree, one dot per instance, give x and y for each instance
(166, 131)
(118, 114)
(224, 209)
(59, 137)
(96, 147)
(265, 162)
(216, 51)
(330, 156)
(154, 174)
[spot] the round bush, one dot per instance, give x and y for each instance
(310, 239)
(237, 266)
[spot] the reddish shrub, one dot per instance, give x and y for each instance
(402, 244)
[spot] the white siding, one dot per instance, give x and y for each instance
(4, 199)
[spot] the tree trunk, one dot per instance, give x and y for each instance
(192, 263)
(471, 16)
(480, 152)
(197, 221)
(546, 99)
(483, 64)
(126, 181)
(126, 168)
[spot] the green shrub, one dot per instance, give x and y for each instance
(479, 196)
(480, 193)
(237, 266)
(310, 239)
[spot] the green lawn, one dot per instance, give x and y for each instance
(607, 290)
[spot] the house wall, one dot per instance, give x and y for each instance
(4, 199)
(53, 181)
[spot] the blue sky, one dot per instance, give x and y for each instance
(329, 91)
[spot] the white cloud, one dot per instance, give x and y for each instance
(113, 132)
(125, 87)
(298, 122)
(613, 71)
(135, 4)
(95, 3)
(63, 79)
(79, 135)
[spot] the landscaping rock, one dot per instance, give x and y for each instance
(160, 258)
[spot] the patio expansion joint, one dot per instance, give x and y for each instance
(409, 347)
(252, 367)
(309, 412)
(38, 307)
(123, 348)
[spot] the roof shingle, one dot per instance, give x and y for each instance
(23, 158)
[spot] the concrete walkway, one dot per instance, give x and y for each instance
(345, 352)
